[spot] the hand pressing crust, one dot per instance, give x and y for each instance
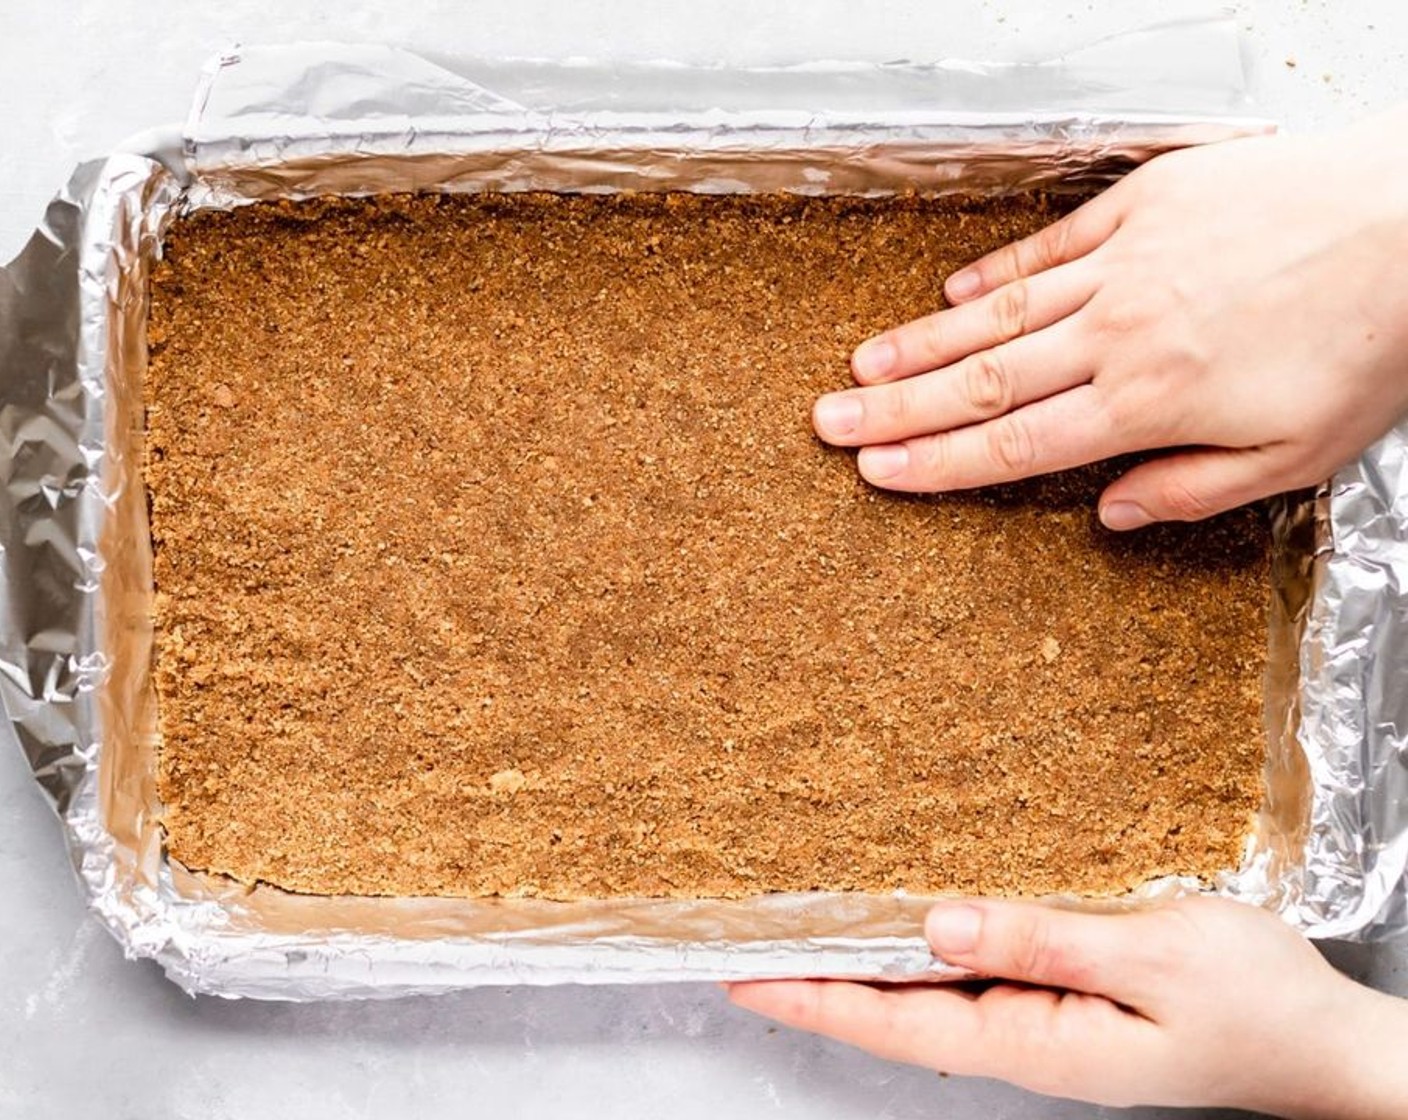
(1201, 1002)
(1242, 305)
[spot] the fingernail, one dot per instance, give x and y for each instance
(874, 358)
(961, 285)
(953, 929)
(837, 415)
(1124, 515)
(880, 463)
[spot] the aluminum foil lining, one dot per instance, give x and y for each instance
(1329, 848)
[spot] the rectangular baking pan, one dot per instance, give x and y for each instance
(301, 121)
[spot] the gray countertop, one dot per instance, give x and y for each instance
(84, 1032)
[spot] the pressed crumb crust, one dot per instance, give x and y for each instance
(495, 555)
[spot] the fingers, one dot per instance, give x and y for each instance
(1067, 239)
(981, 387)
(1192, 485)
(1113, 955)
(1047, 1041)
(944, 337)
(1054, 434)
(916, 1026)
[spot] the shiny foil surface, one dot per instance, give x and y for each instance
(1330, 846)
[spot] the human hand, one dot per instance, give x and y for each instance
(1243, 302)
(1198, 1002)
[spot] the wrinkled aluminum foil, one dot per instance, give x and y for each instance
(1330, 847)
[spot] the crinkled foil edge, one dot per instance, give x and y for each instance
(1328, 851)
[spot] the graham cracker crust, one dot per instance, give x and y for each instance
(495, 555)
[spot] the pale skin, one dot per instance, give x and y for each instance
(1203, 1002)
(1243, 303)
(1242, 308)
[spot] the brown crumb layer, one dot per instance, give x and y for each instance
(495, 555)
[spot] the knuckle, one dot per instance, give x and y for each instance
(1119, 317)
(930, 335)
(1010, 446)
(1063, 236)
(1052, 243)
(1131, 415)
(1183, 502)
(1009, 310)
(900, 404)
(987, 385)
(1029, 256)
(932, 459)
(1033, 952)
(1008, 263)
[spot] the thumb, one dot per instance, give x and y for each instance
(1112, 954)
(1190, 486)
